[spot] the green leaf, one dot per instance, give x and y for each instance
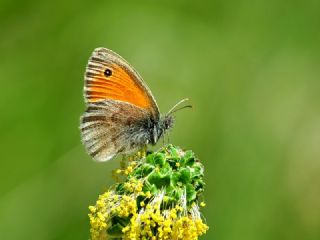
(150, 158)
(197, 170)
(150, 187)
(198, 185)
(159, 159)
(120, 188)
(154, 177)
(115, 230)
(160, 179)
(191, 192)
(185, 175)
(175, 177)
(174, 153)
(174, 193)
(177, 193)
(146, 169)
(189, 158)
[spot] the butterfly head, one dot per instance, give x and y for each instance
(160, 127)
(165, 123)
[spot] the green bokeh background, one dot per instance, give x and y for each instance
(250, 68)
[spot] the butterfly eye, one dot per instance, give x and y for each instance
(107, 72)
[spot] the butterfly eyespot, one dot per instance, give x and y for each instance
(107, 72)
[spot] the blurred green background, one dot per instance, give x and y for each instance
(250, 68)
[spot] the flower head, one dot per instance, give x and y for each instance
(158, 199)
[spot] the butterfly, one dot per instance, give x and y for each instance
(122, 115)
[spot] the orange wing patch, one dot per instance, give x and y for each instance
(120, 85)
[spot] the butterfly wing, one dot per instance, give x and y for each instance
(109, 76)
(120, 107)
(112, 127)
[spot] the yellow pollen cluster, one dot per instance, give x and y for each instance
(188, 228)
(134, 186)
(150, 222)
(109, 204)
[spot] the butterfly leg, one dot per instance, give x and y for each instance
(142, 152)
(166, 138)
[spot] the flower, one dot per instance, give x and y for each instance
(158, 199)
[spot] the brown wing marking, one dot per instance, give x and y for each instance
(107, 127)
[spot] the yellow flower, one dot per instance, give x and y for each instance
(138, 208)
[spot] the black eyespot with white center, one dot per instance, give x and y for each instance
(107, 72)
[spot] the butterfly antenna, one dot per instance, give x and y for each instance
(175, 109)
